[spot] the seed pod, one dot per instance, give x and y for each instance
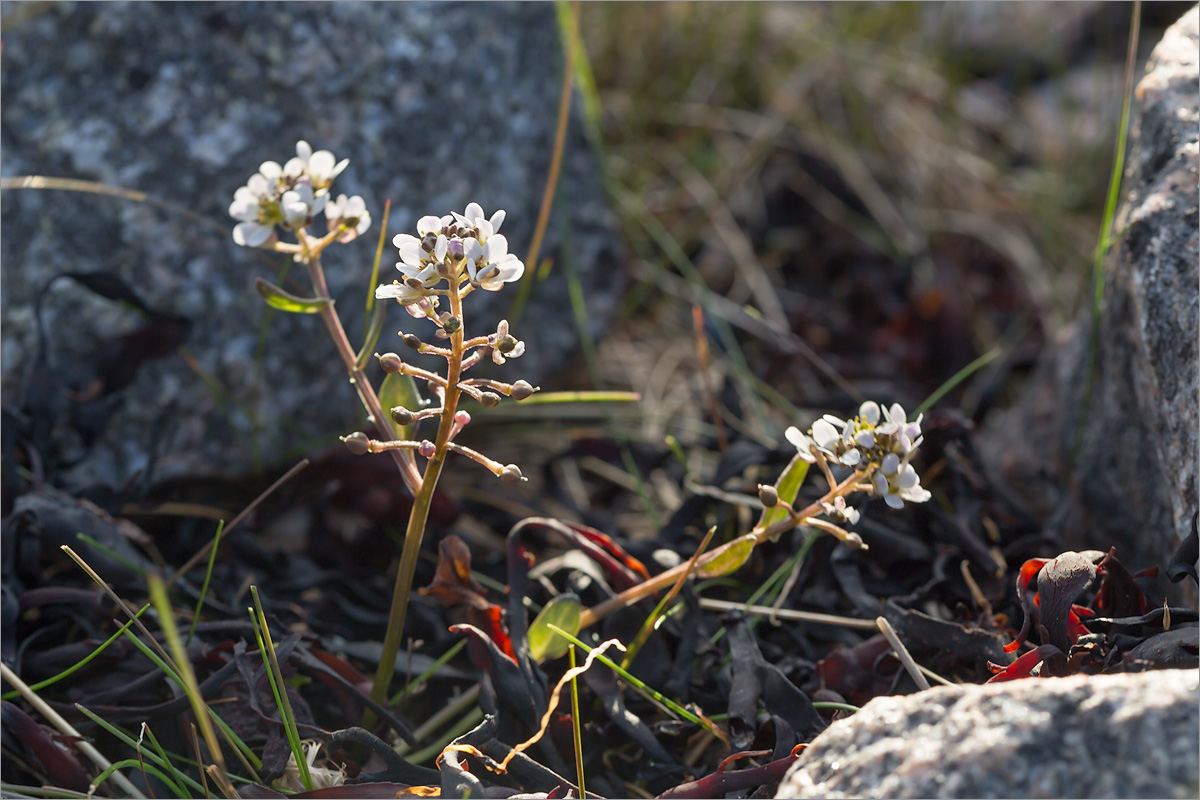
(507, 344)
(402, 416)
(391, 362)
(489, 399)
(413, 341)
(357, 443)
(854, 541)
(768, 495)
(521, 389)
(511, 474)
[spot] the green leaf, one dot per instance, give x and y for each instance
(399, 390)
(561, 612)
(278, 298)
(728, 559)
(788, 486)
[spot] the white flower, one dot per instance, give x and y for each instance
(350, 213)
(838, 511)
(257, 206)
(896, 481)
(406, 295)
(299, 205)
(503, 345)
(320, 168)
(473, 218)
(490, 266)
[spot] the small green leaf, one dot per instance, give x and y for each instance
(399, 390)
(561, 612)
(278, 298)
(788, 486)
(729, 559)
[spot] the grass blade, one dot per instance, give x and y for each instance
(67, 729)
(158, 596)
(212, 558)
(642, 688)
(266, 648)
(125, 738)
(83, 662)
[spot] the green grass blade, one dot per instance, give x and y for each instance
(189, 684)
(541, 398)
(125, 738)
(575, 726)
(282, 702)
(424, 676)
(642, 688)
(1104, 241)
(468, 721)
(111, 553)
(956, 379)
(212, 558)
(178, 778)
(133, 763)
(83, 662)
(837, 706)
(374, 280)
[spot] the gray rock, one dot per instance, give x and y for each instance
(1134, 735)
(435, 105)
(1135, 467)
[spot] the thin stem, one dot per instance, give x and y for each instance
(590, 616)
(420, 514)
(366, 393)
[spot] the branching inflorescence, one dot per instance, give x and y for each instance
(450, 257)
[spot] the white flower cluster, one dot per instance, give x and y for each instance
(291, 195)
(453, 247)
(878, 442)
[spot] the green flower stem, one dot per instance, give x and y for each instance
(420, 513)
(366, 393)
(592, 615)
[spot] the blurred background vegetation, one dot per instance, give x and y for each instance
(863, 197)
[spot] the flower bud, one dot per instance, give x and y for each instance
(402, 416)
(413, 283)
(489, 399)
(462, 418)
(455, 250)
(854, 541)
(390, 362)
(511, 474)
(426, 449)
(357, 443)
(521, 389)
(412, 340)
(768, 495)
(507, 344)
(452, 325)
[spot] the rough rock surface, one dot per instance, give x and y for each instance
(1136, 459)
(1131, 735)
(435, 104)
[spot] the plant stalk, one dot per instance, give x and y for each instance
(420, 514)
(590, 616)
(366, 393)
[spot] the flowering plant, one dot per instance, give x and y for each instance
(450, 257)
